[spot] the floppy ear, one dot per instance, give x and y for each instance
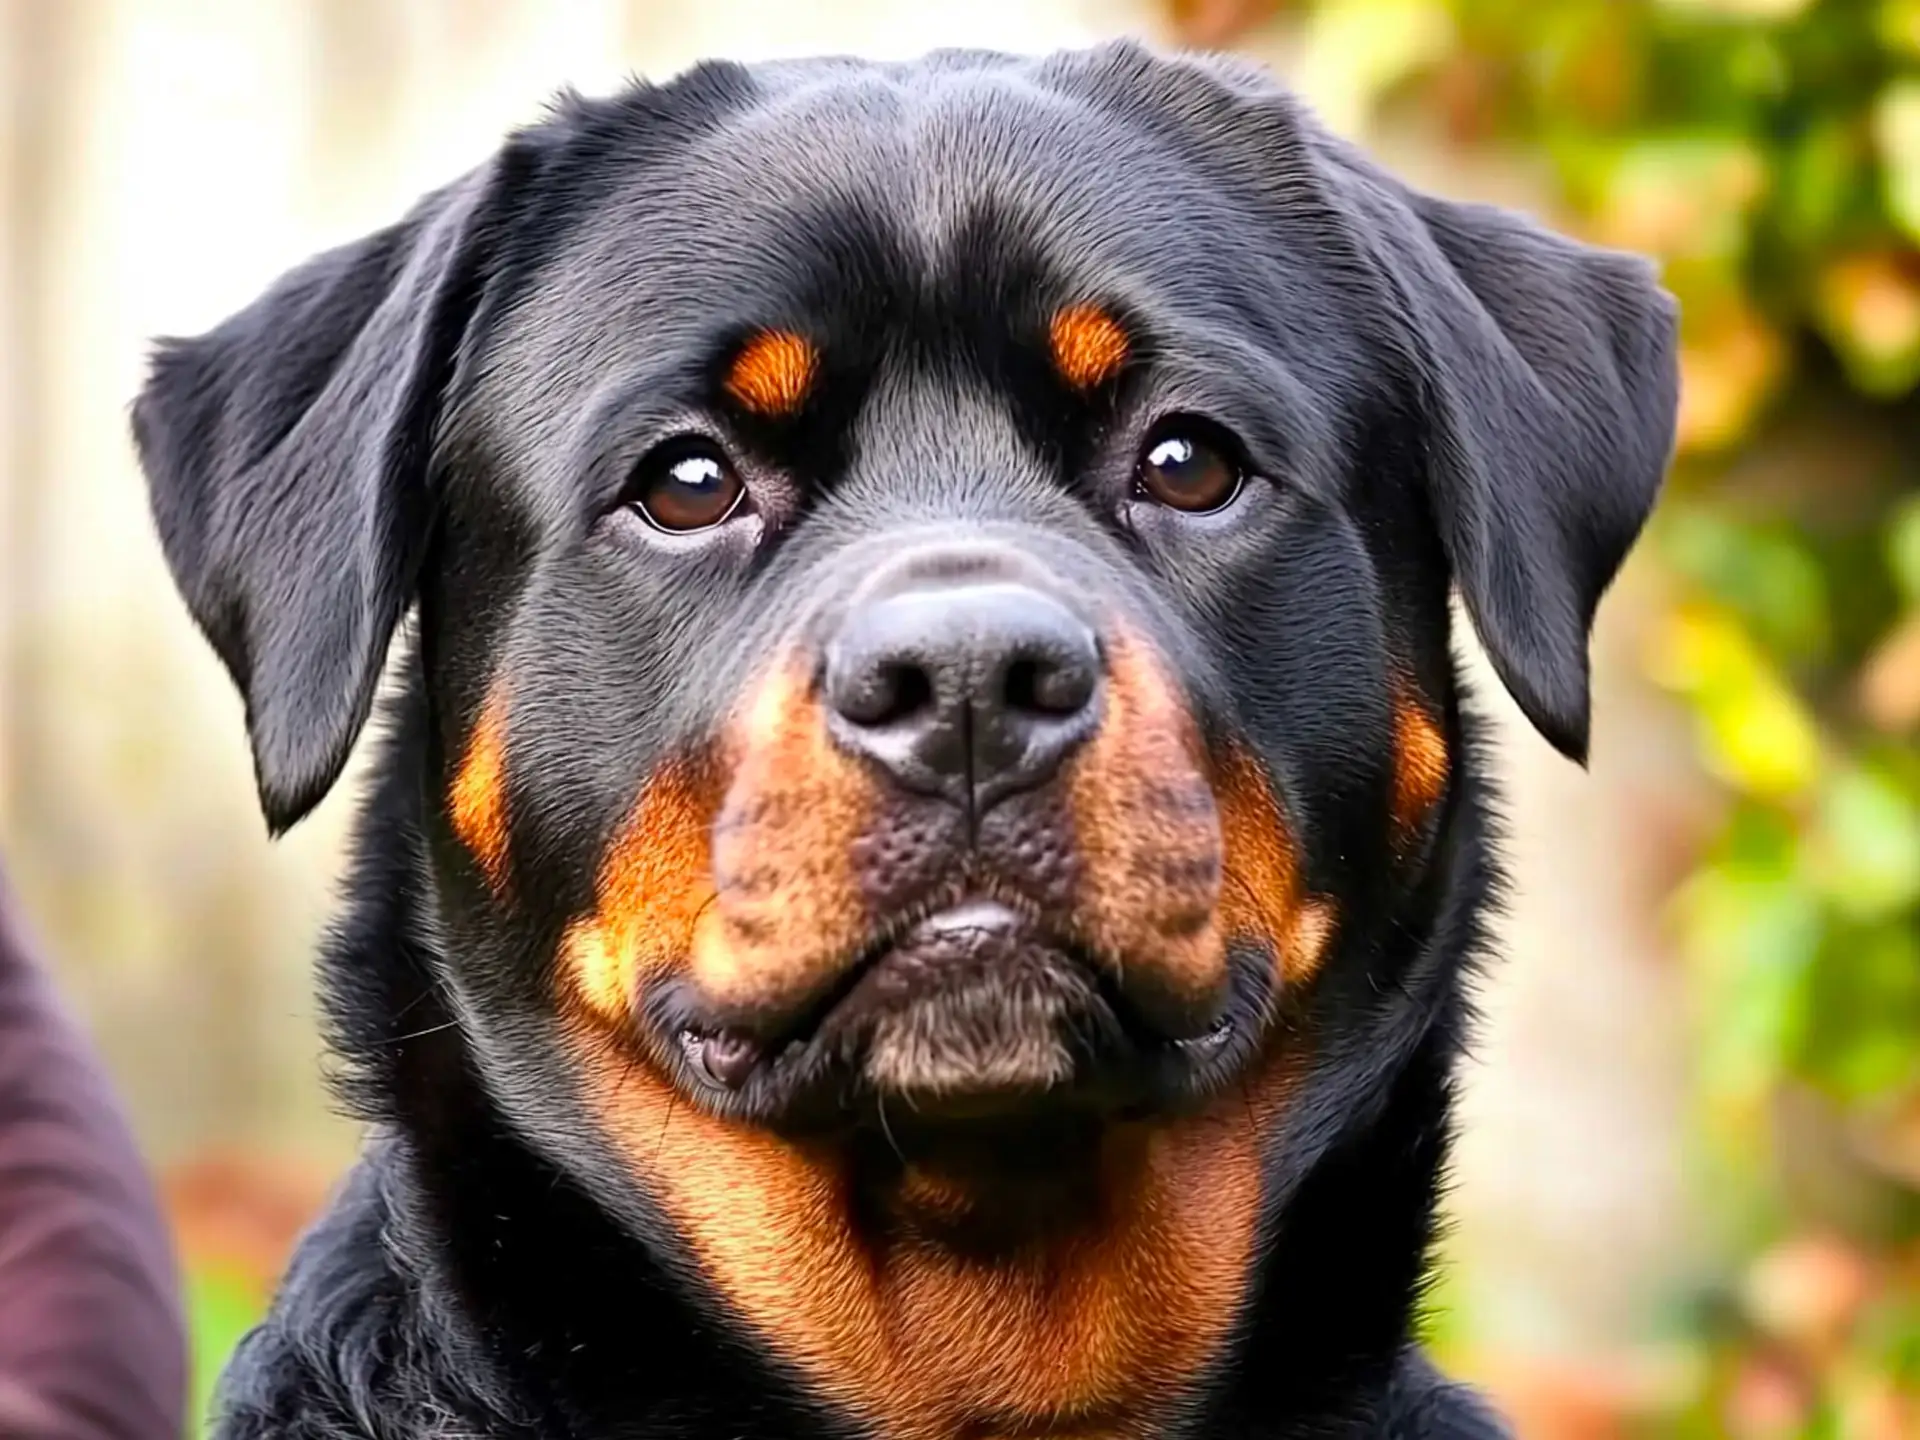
(287, 456)
(1548, 387)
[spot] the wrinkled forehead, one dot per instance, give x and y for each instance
(876, 212)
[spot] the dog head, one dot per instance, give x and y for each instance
(931, 580)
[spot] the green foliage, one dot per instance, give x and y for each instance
(221, 1307)
(1769, 152)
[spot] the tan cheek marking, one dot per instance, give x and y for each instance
(1420, 763)
(478, 798)
(1089, 347)
(790, 908)
(1306, 941)
(773, 375)
(735, 866)
(1091, 1333)
(1148, 836)
(654, 891)
(1261, 901)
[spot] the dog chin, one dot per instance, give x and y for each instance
(972, 1014)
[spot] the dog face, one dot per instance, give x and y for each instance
(932, 597)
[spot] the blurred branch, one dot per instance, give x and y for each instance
(1212, 24)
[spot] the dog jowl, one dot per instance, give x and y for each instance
(925, 857)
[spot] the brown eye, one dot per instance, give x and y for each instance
(692, 487)
(1185, 471)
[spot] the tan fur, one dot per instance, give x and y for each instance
(1148, 834)
(477, 800)
(790, 912)
(735, 867)
(1089, 347)
(1091, 1333)
(774, 373)
(1261, 902)
(655, 891)
(1420, 764)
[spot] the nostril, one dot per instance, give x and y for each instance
(1066, 689)
(1059, 687)
(880, 692)
(911, 690)
(1023, 686)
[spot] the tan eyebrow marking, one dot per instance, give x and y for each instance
(773, 373)
(1089, 347)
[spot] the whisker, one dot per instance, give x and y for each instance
(425, 995)
(418, 1034)
(673, 1099)
(880, 1104)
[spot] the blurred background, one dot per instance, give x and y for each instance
(1688, 1187)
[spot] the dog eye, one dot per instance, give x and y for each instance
(687, 487)
(1184, 470)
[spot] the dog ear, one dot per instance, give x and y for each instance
(1548, 387)
(287, 456)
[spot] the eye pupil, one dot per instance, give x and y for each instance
(1185, 472)
(688, 490)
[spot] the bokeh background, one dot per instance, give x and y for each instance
(1688, 1187)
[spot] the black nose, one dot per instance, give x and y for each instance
(971, 691)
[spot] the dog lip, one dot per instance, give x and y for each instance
(928, 982)
(975, 932)
(972, 915)
(1216, 1036)
(815, 1078)
(724, 1058)
(963, 921)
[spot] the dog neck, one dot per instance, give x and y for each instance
(1077, 1282)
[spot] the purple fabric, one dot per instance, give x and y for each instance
(91, 1341)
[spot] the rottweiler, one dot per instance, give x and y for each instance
(925, 855)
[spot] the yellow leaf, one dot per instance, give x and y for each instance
(1762, 741)
(1691, 649)
(1754, 731)
(1808, 1291)
(1869, 304)
(1896, 131)
(1890, 681)
(1681, 195)
(1725, 377)
(1742, 9)
(1352, 54)
(1899, 25)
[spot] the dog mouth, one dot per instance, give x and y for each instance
(968, 1012)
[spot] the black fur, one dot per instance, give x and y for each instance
(443, 418)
